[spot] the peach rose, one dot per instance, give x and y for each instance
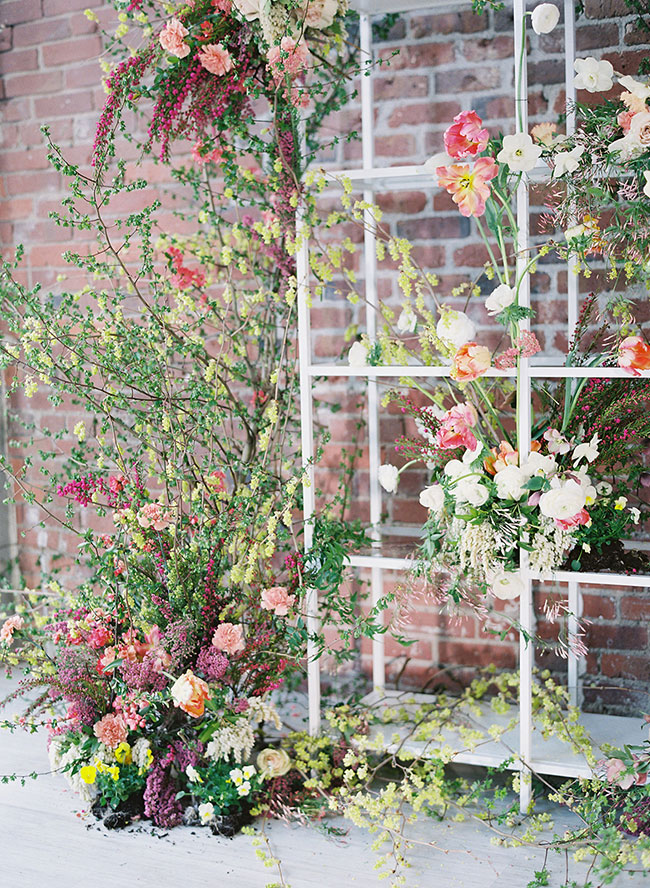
(634, 355)
(278, 600)
(229, 638)
(470, 361)
(189, 693)
(9, 627)
(216, 59)
(172, 38)
(111, 730)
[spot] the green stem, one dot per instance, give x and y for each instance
(483, 394)
(481, 231)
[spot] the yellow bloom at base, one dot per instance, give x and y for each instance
(88, 774)
(123, 753)
(114, 771)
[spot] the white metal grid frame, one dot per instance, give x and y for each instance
(369, 178)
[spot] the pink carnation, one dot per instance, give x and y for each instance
(465, 138)
(9, 627)
(278, 600)
(111, 730)
(153, 515)
(454, 430)
(228, 638)
(216, 59)
(172, 38)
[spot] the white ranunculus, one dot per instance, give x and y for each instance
(536, 464)
(250, 9)
(499, 298)
(568, 161)
(455, 327)
(455, 469)
(519, 152)
(389, 477)
(636, 87)
(433, 498)
(593, 75)
(563, 502)
(407, 320)
(544, 18)
(358, 355)
(510, 483)
(507, 585)
(470, 491)
(588, 451)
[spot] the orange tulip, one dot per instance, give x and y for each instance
(470, 361)
(634, 355)
(189, 693)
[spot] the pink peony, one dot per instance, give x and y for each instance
(111, 730)
(9, 627)
(454, 430)
(465, 138)
(278, 600)
(154, 515)
(228, 638)
(172, 38)
(216, 59)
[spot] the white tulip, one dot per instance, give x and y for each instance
(568, 161)
(499, 298)
(519, 152)
(433, 498)
(544, 18)
(507, 585)
(388, 477)
(455, 327)
(358, 355)
(407, 321)
(593, 75)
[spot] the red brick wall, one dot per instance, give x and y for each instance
(448, 61)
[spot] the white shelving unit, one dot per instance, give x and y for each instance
(547, 757)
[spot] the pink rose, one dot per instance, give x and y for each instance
(454, 430)
(465, 138)
(172, 38)
(111, 730)
(9, 627)
(228, 638)
(216, 59)
(278, 600)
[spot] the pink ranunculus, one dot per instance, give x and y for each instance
(455, 428)
(228, 638)
(278, 600)
(470, 361)
(216, 59)
(154, 515)
(111, 730)
(172, 38)
(469, 188)
(581, 518)
(465, 137)
(9, 627)
(634, 355)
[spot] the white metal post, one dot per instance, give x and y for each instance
(370, 275)
(570, 93)
(307, 442)
(575, 664)
(524, 410)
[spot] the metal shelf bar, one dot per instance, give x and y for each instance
(419, 371)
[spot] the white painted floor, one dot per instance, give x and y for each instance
(45, 844)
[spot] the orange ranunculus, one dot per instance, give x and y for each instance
(468, 189)
(189, 693)
(470, 361)
(634, 355)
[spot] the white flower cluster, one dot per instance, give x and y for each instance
(232, 740)
(60, 761)
(140, 753)
(262, 711)
(550, 546)
(476, 548)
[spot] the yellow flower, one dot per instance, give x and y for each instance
(620, 503)
(123, 753)
(88, 774)
(114, 771)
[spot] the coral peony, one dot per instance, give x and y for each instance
(229, 638)
(470, 361)
(9, 627)
(455, 428)
(634, 355)
(172, 38)
(111, 730)
(216, 59)
(189, 693)
(465, 138)
(278, 600)
(468, 188)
